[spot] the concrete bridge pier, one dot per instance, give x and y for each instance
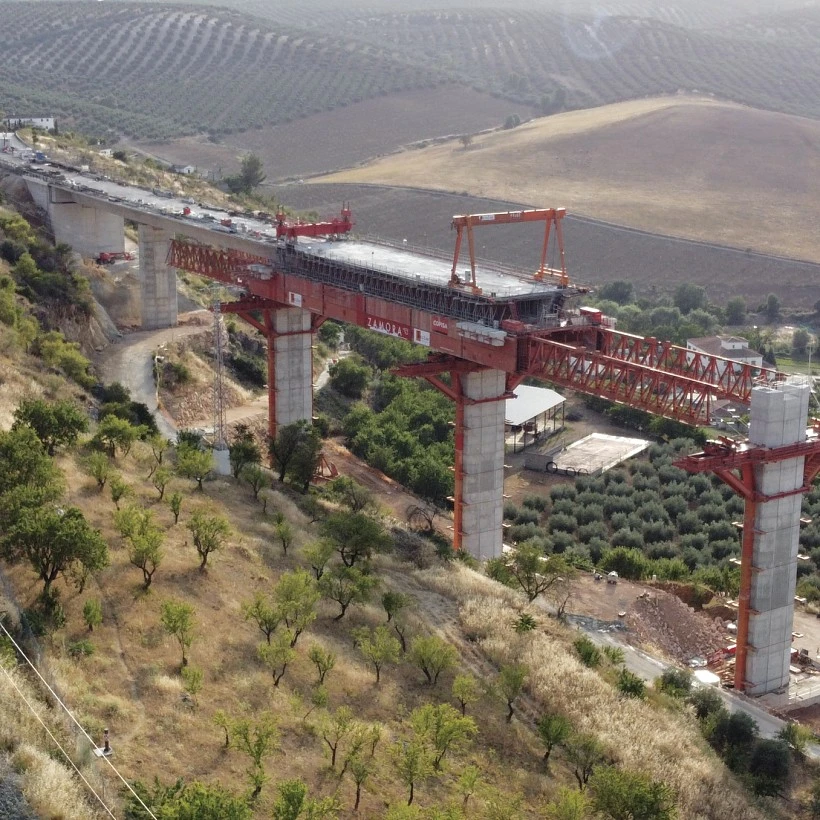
(158, 281)
(779, 418)
(479, 462)
(290, 366)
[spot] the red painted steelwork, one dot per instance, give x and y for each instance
(216, 263)
(723, 458)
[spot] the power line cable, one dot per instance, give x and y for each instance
(56, 742)
(75, 721)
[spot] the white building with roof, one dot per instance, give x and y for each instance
(533, 414)
(729, 347)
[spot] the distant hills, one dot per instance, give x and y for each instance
(156, 71)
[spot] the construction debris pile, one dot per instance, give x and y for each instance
(661, 620)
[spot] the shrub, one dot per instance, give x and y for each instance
(561, 522)
(588, 652)
(675, 682)
(536, 502)
(628, 563)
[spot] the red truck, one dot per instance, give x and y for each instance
(109, 258)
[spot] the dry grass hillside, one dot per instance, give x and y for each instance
(683, 166)
(132, 683)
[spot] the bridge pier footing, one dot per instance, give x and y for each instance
(158, 281)
(289, 333)
(479, 462)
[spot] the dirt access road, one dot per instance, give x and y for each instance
(129, 361)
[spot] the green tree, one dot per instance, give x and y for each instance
(192, 679)
(323, 659)
(736, 310)
(378, 646)
(317, 555)
(99, 465)
(345, 490)
(772, 307)
(510, 682)
(631, 685)
(277, 654)
(346, 586)
(251, 174)
(433, 655)
(674, 682)
(336, 728)
(360, 769)
(258, 741)
(412, 761)
(796, 737)
(118, 489)
(295, 596)
(160, 479)
(285, 533)
(443, 728)
(618, 794)
(56, 424)
(177, 619)
(265, 615)
(689, 297)
(145, 551)
(466, 691)
(181, 801)
(92, 613)
(536, 574)
(114, 432)
(194, 463)
(350, 376)
(175, 503)
(209, 533)
(801, 339)
(256, 478)
(295, 451)
(584, 753)
(356, 536)
(618, 291)
(243, 452)
(769, 767)
(55, 542)
(552, 730)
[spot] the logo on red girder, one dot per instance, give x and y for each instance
(389, 328)
(440, 325)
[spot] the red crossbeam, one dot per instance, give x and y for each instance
(224, 265)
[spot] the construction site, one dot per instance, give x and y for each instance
(488, 328)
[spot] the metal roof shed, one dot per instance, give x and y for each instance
(531, 415)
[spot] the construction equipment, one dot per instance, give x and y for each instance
(291, 230)
(549, 216)
(110, 257)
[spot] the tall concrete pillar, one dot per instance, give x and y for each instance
(158, 281)
(481, 418)
(779, 418)
(290, 367)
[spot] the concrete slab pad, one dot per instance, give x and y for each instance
(598, 452)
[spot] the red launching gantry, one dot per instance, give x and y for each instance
(335, 227)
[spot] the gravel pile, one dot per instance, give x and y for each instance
(664, 621)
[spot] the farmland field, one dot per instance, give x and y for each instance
(163, 71)
(596, 252)
(344, 137)
(680, 166)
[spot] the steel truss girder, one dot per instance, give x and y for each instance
(727, 378)
(224, 265)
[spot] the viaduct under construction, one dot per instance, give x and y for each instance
(487, 328)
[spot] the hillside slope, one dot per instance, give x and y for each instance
(688, 167)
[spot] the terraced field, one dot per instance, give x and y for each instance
(162, 71)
